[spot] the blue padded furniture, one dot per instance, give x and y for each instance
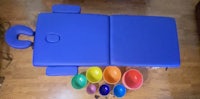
(143, 41)
(61, 70)
(65, 40)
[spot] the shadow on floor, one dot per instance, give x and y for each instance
(5, 56)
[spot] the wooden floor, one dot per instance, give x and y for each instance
(23, 81)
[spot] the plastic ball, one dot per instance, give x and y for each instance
(112, 74)
(94, 74)
(79, 81)
(91, 89)
(119, 90)
(104, 89)
(132, 79)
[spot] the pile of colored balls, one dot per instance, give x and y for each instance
(131, 80)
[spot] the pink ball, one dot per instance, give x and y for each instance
(91, 89)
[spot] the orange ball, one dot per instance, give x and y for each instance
(111, 74)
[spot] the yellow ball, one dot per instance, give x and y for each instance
(94, 74)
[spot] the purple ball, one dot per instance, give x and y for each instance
(91, 89)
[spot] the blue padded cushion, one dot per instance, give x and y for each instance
(12, 36)
(71, 39)
(143, 41)
(64, 8)
(61, 70)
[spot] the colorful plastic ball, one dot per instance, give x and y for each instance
(132, 79)
(112, 74)
(79, 81)
(91, 89)
(104, 89)
(94, 74)
(119, 90)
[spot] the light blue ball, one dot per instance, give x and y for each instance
(119, 90)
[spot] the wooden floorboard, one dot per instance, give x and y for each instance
(23, 81)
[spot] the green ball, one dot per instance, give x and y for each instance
(79, 81)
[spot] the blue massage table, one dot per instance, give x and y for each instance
(64, 40)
